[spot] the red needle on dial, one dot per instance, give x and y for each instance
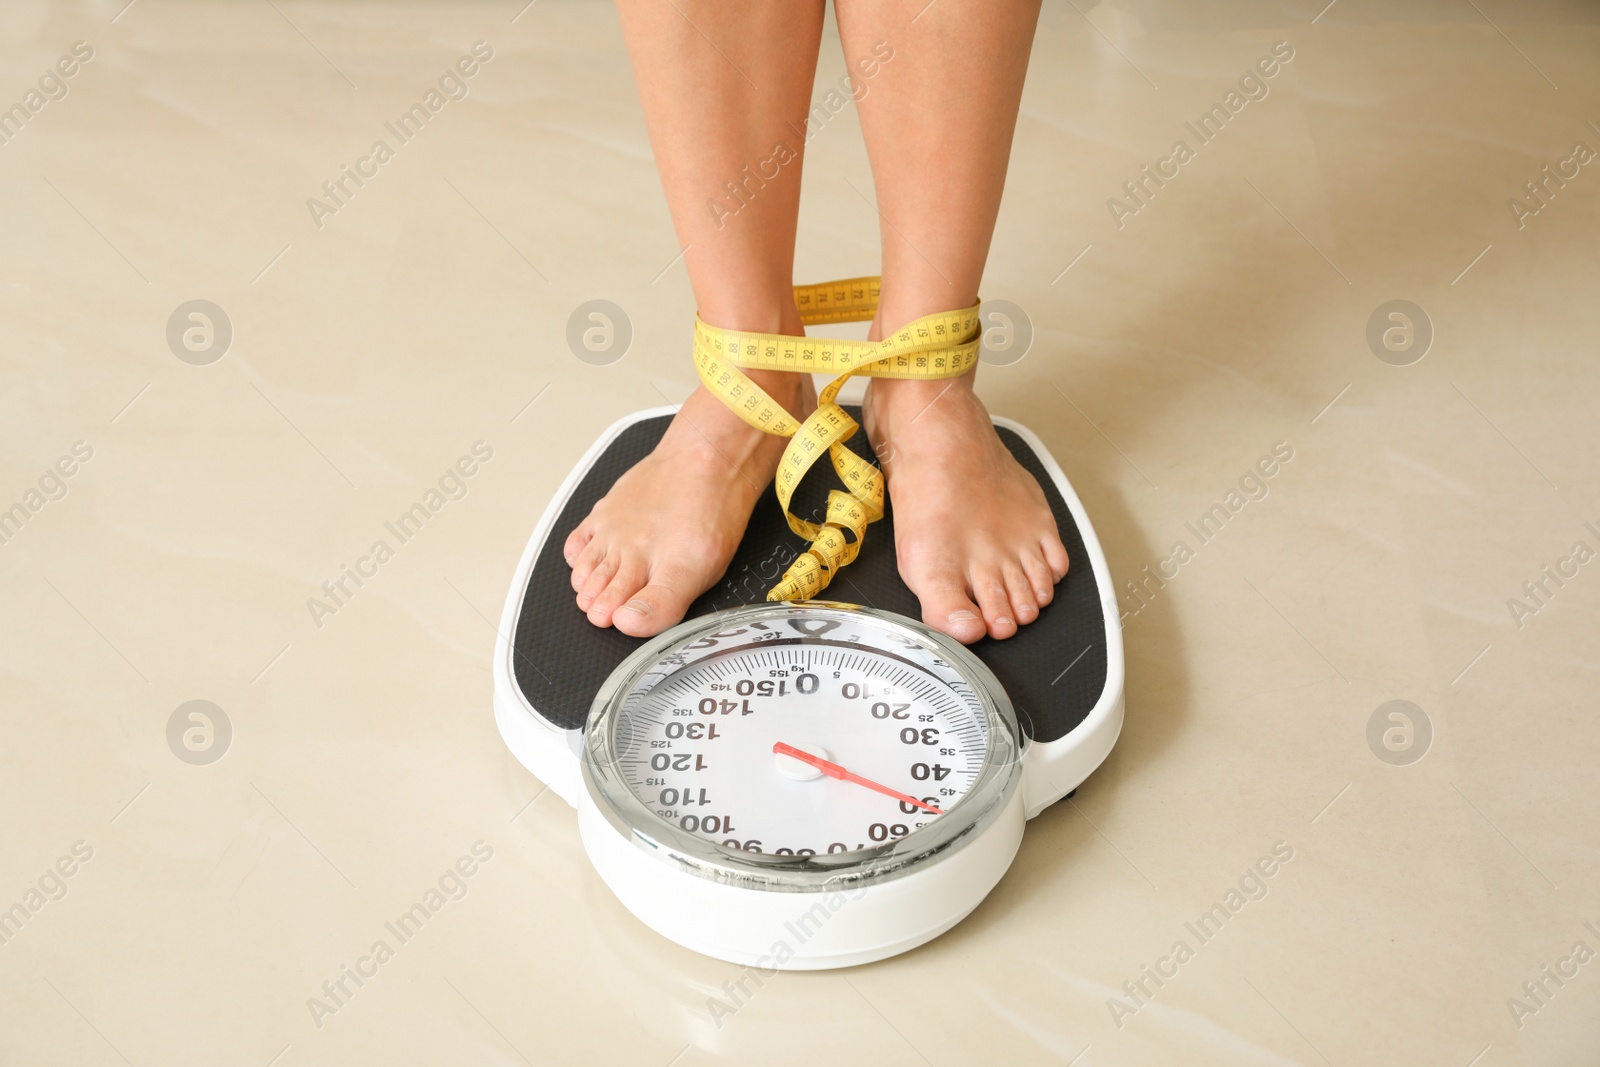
(833, 770)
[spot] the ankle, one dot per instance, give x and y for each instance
(707, 433)
(720, 429)
(892, 397)
(794, 392)
(773, 316)
(776, 314)
(900, 305)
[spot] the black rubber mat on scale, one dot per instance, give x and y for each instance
(1054, 669)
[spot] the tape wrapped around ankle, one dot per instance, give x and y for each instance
(942, 345)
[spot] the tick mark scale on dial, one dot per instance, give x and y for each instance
(833, 770)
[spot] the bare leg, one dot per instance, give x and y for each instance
(723, 87)
(975, 537)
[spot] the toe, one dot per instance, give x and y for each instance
(628, 580)
(598, 579)
(946, 606)
(1040, 579)
(658, 605)
(1019, 590)
(1055, 554)
(994, 602)
(576, 541)
(583, 564)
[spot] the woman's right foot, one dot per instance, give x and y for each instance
(668, 528)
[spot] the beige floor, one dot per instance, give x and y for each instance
(1229, 313)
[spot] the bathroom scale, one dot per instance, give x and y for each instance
(809, 784)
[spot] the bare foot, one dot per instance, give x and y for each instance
(668, 527)
(976, 539)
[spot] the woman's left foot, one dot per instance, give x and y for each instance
(975, 536)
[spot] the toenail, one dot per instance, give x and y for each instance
(961, 616)
(1004, 620)
(643, 607)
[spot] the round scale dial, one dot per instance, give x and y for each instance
(787, 740)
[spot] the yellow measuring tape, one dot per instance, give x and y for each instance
(943, 345)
